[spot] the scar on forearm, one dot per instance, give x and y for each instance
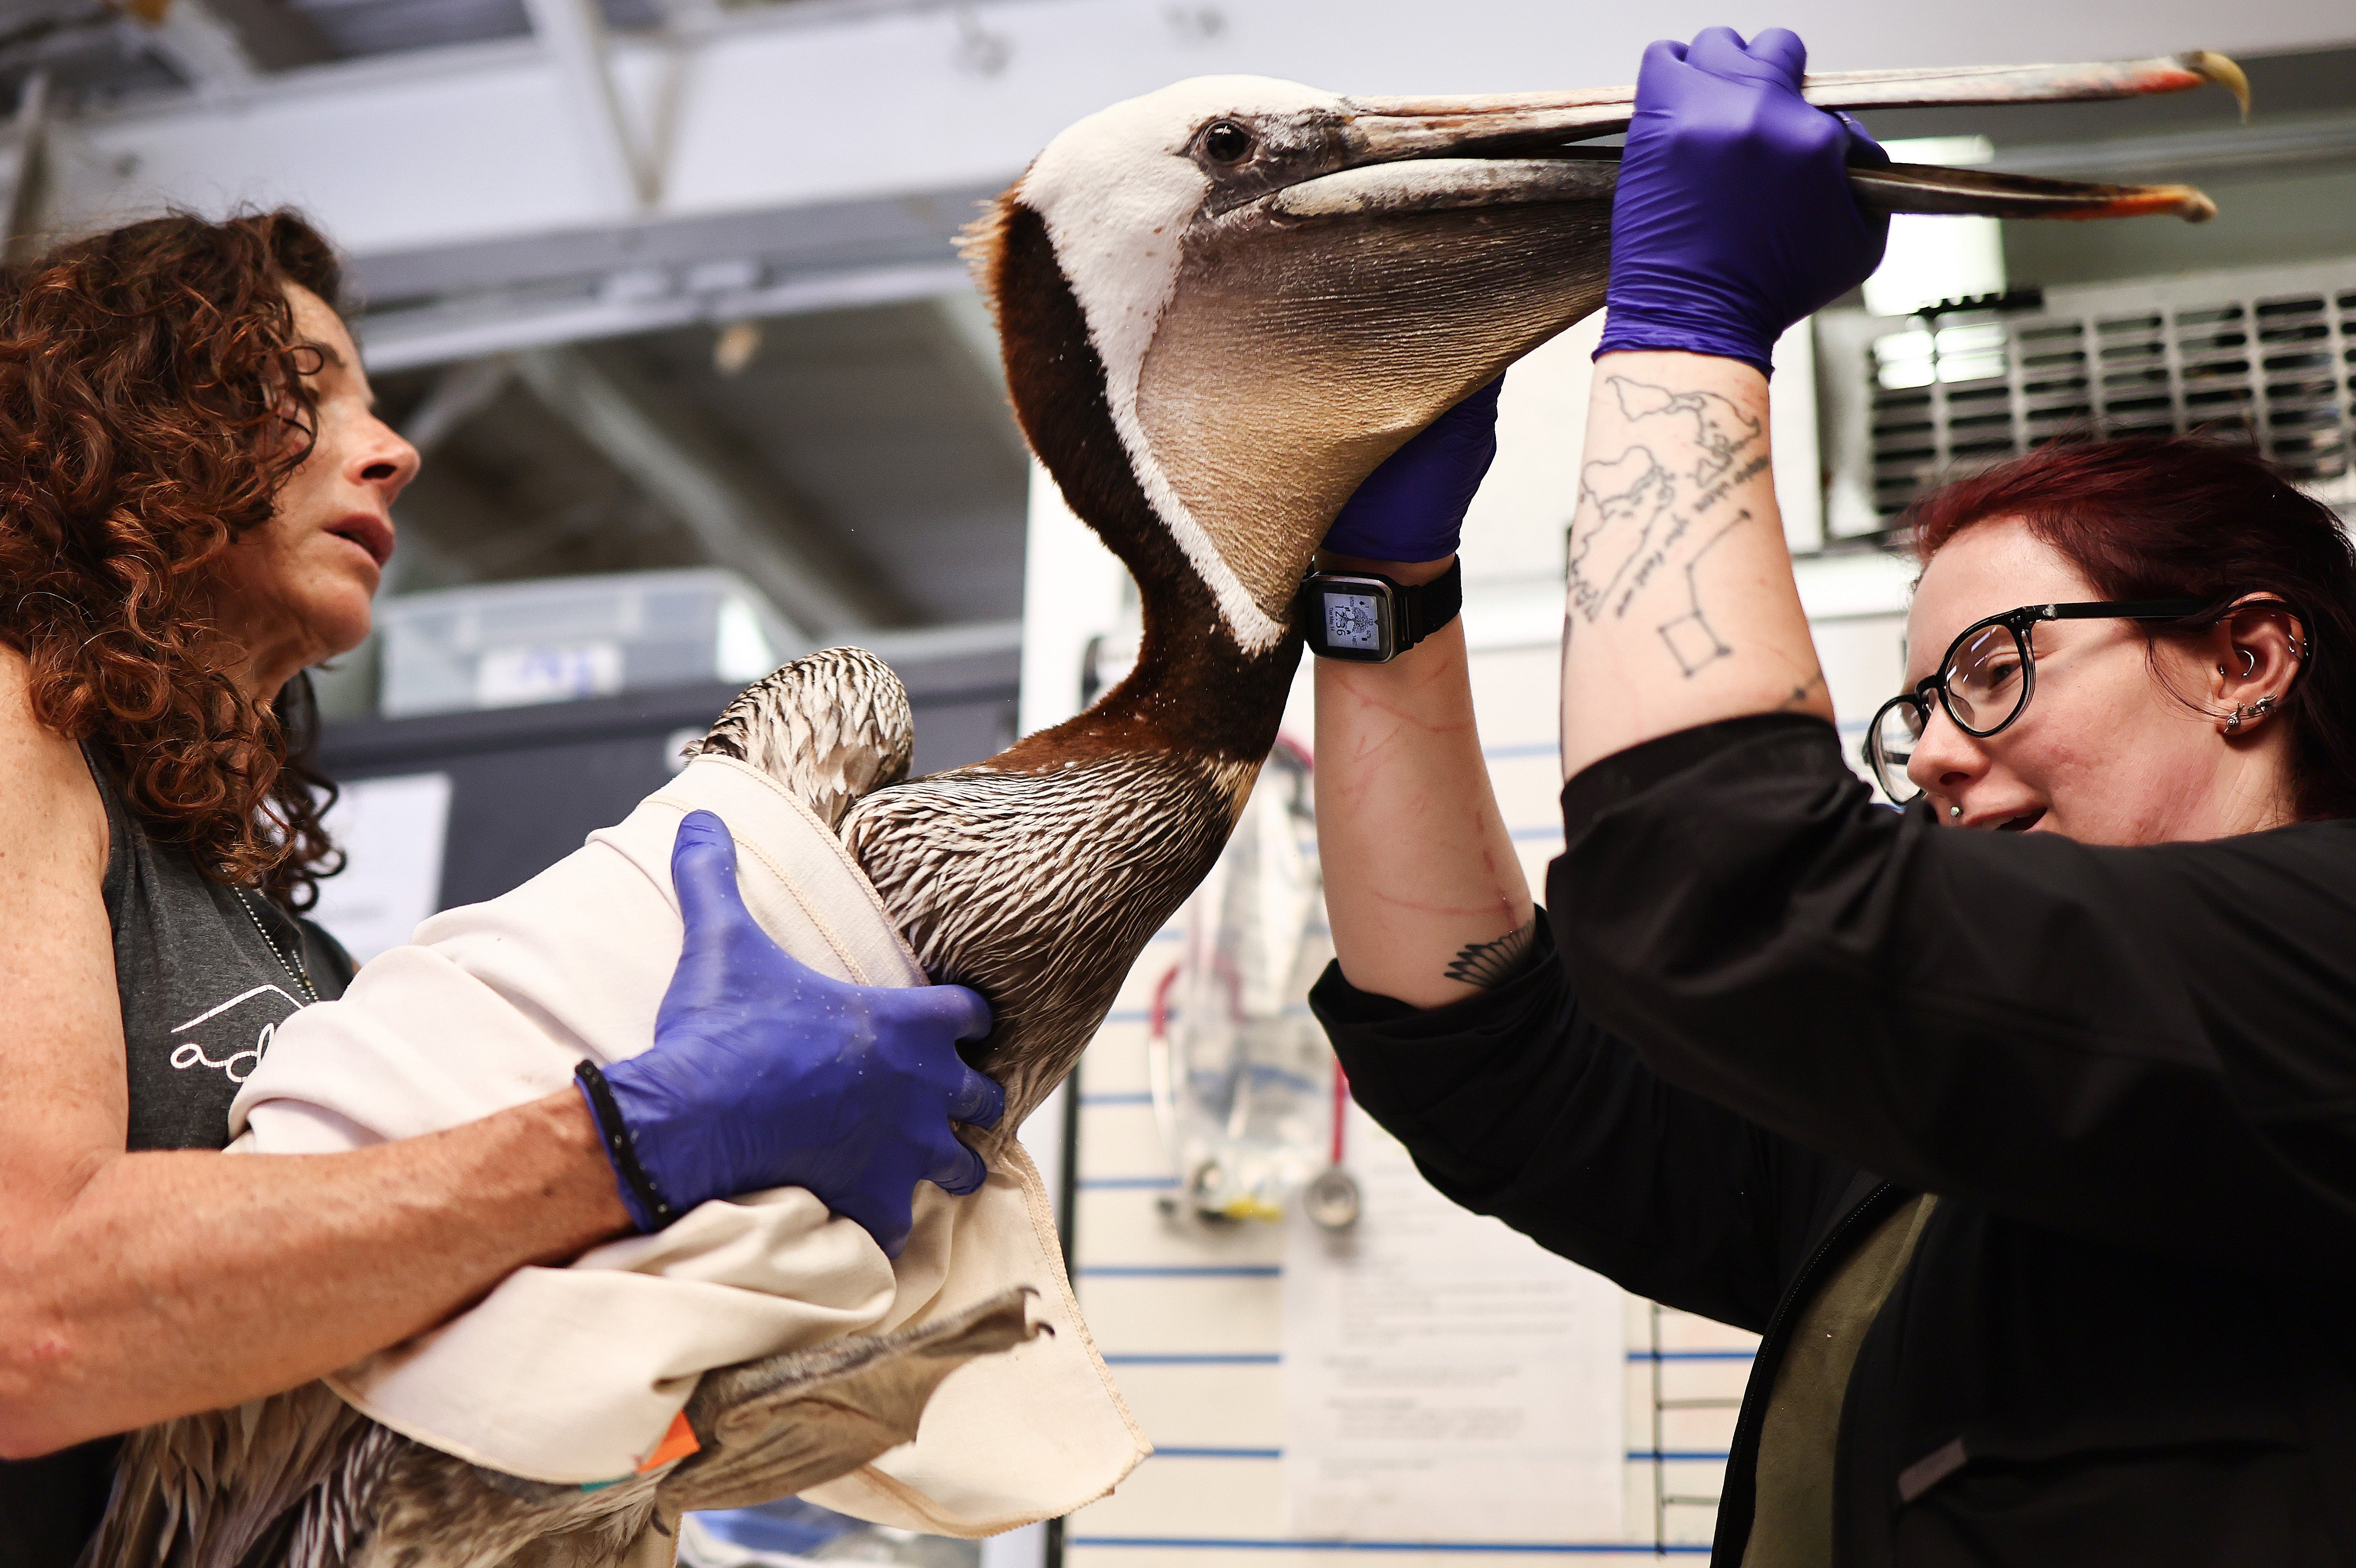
(1492, 963)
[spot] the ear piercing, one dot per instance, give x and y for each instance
(2249, 662)
(2242, 715)
(1954, 810)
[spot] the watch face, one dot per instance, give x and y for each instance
(1353, 620)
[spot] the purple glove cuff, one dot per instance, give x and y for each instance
(650, 1210)
(1648, 332)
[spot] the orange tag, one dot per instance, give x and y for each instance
(677, 1443)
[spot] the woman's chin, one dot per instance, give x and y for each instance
(334, 629)
(340, 621)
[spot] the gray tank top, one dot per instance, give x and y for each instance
(205, 974)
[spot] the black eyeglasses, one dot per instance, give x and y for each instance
(1985, 680)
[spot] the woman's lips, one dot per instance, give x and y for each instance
(373, 534)
(2007, 822)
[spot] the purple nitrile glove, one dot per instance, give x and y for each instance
(1412, 507)
(1733, 218)
(766, 1073)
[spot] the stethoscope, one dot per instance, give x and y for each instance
(1332, 1199)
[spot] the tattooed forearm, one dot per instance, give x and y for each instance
(1680, 607)
(1641, 512)
(1492, 963)
(1711, 425)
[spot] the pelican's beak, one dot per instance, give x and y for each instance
(1323, 317)
(1398, 133)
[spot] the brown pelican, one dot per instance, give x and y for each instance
(1220, 306)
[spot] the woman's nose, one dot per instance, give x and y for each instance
(1945, 759)
(386, 461)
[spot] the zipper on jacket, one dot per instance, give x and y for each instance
(1741, 1452)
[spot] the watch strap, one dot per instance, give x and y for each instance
(1425, 607)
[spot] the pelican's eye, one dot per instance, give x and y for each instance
(1227, 141)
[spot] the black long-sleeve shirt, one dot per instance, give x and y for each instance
(2128, 1333)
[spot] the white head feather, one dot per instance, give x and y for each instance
(1117, 191)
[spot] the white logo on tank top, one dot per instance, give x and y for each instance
(238, 1065)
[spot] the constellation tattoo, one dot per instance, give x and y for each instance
(1690, 636)
(1802, 693)
(1492, 963)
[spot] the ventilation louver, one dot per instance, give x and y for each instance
(2270, 353)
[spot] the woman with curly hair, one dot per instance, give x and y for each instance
(196, 503)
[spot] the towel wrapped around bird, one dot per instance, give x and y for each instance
(579, 1375)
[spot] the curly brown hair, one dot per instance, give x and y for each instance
(151, 405)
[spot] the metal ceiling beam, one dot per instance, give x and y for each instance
(29, 189)
(969, 339)
(688, 17)
(459, 393)
(792, 105)
(501, 321)
(206, 51)
(573, 33)
(276, 35)
(458, 302)
(807, 578)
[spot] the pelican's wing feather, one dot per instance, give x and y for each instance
(233, 1487)
(780, 1425)
(1039, 888)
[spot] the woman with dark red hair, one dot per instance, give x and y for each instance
(2030, 1151)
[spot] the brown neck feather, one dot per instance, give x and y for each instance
(1194, 689)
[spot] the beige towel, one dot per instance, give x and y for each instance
(575, 1374)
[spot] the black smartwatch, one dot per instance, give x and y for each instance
(1366, 617)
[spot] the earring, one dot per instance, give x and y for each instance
(2249, 663)
(1954, 810)
(2240, 715)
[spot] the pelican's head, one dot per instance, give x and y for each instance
(1222, 305)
